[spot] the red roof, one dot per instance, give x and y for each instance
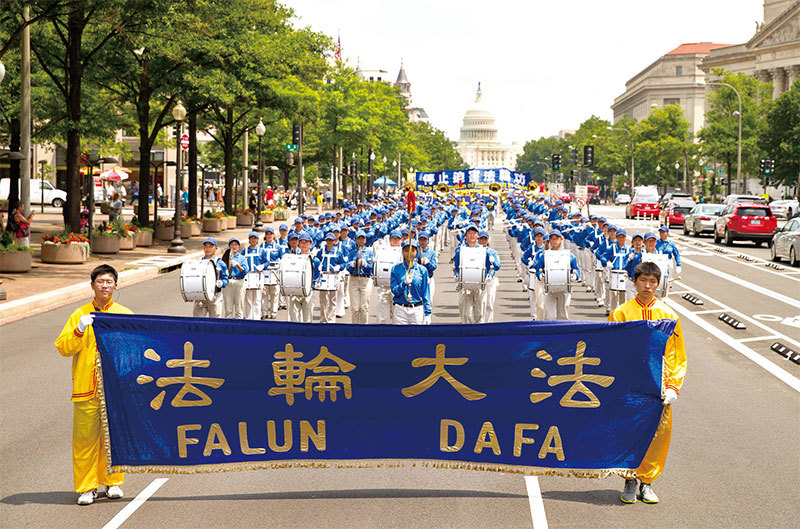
(696, 47)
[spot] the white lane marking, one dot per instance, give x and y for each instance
(758, 339)
(536, 503)
(773, 369)
(137, 502)
(767, 317)
(708, 311)
(747, 284)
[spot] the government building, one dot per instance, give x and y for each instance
(478, 143)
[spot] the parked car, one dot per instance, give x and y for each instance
(785, 209)
(745, 221)
(686, 197)
(53, 196)
(646, 206)
(622, 198)
(701, 219)
(732, 199)
(566, 198)
(675, 211)
(786, 243)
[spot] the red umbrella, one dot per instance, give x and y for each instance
(117, 173)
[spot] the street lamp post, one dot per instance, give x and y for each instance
(260, 131)
(742, 184)
(394, 168)
(633, 164)
(385, 176)
(41, 188)
(371, 171)
(176, 245)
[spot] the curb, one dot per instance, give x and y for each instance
(47, 301)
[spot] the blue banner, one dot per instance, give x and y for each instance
(189, 394)
(470, 179)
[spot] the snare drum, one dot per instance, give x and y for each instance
(328, 281)
(295, 275)
(662, 261)
(385, 259)
(619, 280)
(269, 276)
(252, 281)
(557, 271)
(472, 267)
(198, 280)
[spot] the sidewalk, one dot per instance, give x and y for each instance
(48, 286)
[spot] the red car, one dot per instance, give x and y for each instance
(745, 221)
(566, 198)
(645, 206)
(675, 211)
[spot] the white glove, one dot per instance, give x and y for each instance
(670, 396)
(426, 320)
(409, 279)
(336, 268)
(678, 270)
(260, 267)
(491, 259)
(352, 263)
(219, 283)
(84, 322)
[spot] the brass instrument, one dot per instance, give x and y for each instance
(409, 186)
(442, 189)
(533, 186)
(495, 188)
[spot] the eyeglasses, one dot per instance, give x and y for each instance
(101, 282)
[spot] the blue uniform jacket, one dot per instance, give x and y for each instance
(419, 287)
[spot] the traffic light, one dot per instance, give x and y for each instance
(574, 173)
(769, 165)
(762, 164)
(588, 155)
(296, 133)
(574, 155)
(556, 162)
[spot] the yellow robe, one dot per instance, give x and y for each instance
(88, 450)
(674, 371)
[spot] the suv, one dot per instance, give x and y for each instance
(732, 199)
(683, 197)
(747, 221)
(675, 210)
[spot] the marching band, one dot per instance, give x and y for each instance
(394, 246)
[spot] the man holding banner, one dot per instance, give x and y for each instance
(645, 306)
(78, 341)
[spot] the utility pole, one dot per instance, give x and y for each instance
(25, 115)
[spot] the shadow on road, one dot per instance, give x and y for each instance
(594, 497)
(346, 494)
(42, 498)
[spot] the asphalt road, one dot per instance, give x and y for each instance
(733, 462)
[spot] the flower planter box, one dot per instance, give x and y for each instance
(197, 229)
(128, 243)
(268, 217)
(231, 223)
(213, 225)
(165, 233)
(63, 253)
(15, 262)
(186, 231)
(244, 219)
(281, 214)
(144, 238)
(105, 244)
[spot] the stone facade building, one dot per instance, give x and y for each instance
(479, 145)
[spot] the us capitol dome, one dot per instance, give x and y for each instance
(478, 143)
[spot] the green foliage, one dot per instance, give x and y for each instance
(536, 156)
(780, 139)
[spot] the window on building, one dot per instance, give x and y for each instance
(672, 101)
(679, 70)
(371, 78)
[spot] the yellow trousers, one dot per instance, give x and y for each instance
(88, 451)
(653, 463)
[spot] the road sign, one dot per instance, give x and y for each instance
(582, 192)
(185, 142)
(580, 202)
(291, 147)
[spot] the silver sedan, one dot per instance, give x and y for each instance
(784, 209)
(786, 243)
(701, 218)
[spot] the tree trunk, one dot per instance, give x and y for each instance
(13, 183)
(229, 174)
(75, 25)
(192, 168)
(145, 146)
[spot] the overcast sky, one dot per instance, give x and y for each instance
(543, 65)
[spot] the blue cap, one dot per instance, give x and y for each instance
(298, 219)
(305, 237)
(650, 235)
(283, 227)
(210, 240)
(601, 219)
(344, 227)
(637, 235)
(424, 234)
(621, 231)
(404, 231)
(336, 227)
(555, 232)
(252, 234)
(394, 234)
(538, 231)
(234, 239)
(483, 233)
(269, 229)
(412, 242)
(592, 217)
(330, 236)
(472, 227)
(360, 233)
(664, 228)
(612, 227)
(293, 235)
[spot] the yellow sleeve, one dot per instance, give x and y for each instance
(70, 342)
(675, 359)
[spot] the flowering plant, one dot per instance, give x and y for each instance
(114, 229)
(214, 214)
(166, 222)
(64, 238)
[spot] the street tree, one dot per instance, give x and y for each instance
(780, 138)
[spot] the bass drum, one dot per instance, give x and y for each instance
(295, 275)
(385, 259)
(472, 273)
(198, 280)
(557, 271)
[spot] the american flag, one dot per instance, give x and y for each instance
(338, 53)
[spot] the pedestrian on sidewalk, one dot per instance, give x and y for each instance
(115, 208)
(77, 340)
(21, 225)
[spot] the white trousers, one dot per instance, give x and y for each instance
(385, 305)
(327, 305)
(470, 305)
(208, 309)
(301, 308)
(630, 290)
(408, 315)
(489, 295)
(614, 298)
(341, 295)
(270, 297)
(599, 286)
(556, 306)
(234, 299)
(252, 304)
(536, 299)
(432, 286)
(360, 294)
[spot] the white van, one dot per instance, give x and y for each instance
(52, 196)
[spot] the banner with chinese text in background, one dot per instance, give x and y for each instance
(193, 395)
(468, 179)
